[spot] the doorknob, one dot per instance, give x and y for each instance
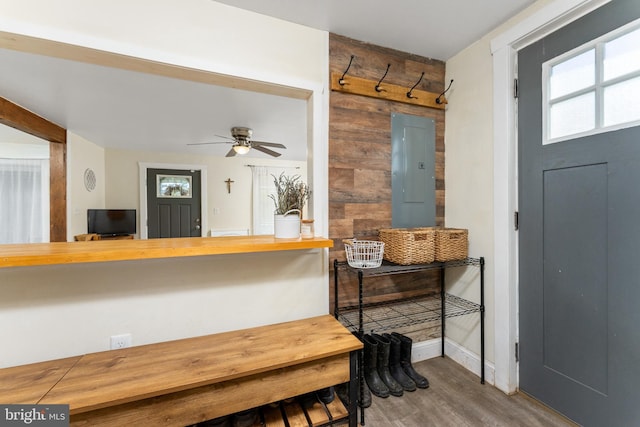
(197, 227)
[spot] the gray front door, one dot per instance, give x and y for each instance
(413, 183)
(579, 293)
(173, 210)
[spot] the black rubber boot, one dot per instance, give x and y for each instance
(405, 360)
(365, 397)
(370, 369)
(326, 395)
(394, 364)
(364, 400)
(246, 418)
(217, 422)
(384, 348)
(364, 394)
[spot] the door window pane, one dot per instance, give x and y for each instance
(596, 90)
(622, 102)
(572, 116)
(622, 55)
(572, 75)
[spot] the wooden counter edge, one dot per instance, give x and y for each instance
(35, 254)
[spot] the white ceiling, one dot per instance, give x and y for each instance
(436, 29)
(122, 109)
(129, 110)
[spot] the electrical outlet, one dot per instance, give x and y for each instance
(120, 341)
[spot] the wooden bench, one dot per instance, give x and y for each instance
(178, 383)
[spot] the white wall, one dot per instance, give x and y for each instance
(225, 210)
(20, 144)
(469, 177)
(24, 150)
(57, 311)
(468, 180)
(202, 34)
(117, 183)
(83, 155)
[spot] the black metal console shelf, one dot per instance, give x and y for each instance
(376, 317)
(384, 316)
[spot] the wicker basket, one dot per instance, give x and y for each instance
(363, 253)
(406, 246)
(451, 244)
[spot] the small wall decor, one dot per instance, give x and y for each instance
(89, 179)
(229, 181)
(173, 186)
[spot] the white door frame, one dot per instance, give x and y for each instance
(142, 168)
(504, 49)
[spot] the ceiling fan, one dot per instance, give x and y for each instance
(242, 143)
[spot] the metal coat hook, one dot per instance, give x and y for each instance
(409, 95)
(378, 88)
(439, 98)
(341, 81)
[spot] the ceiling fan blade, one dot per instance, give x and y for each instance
(266, 150)
(209, 143)
(225, 137)
(268, 144)
(231, 153)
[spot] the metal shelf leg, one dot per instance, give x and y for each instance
(442, 309)
(482, 320)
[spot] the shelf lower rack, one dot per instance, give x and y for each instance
(408, 312)
(367, 317)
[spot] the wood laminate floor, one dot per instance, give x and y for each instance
(456, 398)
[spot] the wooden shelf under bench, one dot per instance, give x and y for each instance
(32, 254)
(182, 382)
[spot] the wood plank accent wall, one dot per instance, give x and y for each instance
(360, 152)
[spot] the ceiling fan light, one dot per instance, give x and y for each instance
(241, 149)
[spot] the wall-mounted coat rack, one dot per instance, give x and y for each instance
(374, 89)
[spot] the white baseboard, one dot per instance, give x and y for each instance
(429, 349)
(424, 350)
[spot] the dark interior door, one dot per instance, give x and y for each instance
(173, 203)
(579, 284)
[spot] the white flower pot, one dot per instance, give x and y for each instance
(287, 226)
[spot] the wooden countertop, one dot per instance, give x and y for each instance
(19, 255)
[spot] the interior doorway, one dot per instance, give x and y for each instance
(201, 198)
(173, 203)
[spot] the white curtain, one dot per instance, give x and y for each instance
(263, 206)
(24, 200)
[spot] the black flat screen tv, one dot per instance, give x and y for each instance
(111, 222)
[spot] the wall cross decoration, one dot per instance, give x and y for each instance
(229, 182)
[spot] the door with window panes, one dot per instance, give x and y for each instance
(579, 204)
